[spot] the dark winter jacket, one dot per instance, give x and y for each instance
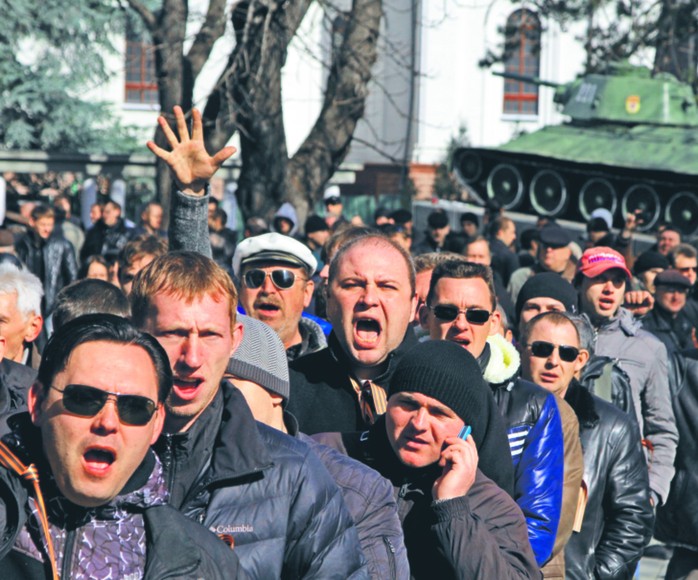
(644, 358)
(106, 241)
(134, 535)
(369, 499)
(262, 490)
(15, 380)
(677, 520)
(312, 340)
(504, 260)
(674, 332)
(322, 396)
(52, 261)
(534, 427)
(479, 535)
(618, 519)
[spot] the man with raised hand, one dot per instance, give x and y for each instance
(96, 506)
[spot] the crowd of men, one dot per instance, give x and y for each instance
(342, 403)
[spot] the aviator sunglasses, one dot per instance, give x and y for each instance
(449, 312)
(543, 349)
(88, 401)
(283, 279)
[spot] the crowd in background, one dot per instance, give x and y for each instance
(481, 403)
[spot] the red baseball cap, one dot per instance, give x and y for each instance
(596, 261)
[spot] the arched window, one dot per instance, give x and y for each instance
(521, 56)
(141, 85)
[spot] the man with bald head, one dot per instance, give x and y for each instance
(371, 301)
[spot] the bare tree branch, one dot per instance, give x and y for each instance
(211, 30)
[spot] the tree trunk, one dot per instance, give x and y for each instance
(345, 96)
(176, 72)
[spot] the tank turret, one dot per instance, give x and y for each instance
(630, 144)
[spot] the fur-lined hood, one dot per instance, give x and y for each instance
(504, 360)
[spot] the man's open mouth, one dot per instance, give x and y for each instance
(367, 331)
(98, 460)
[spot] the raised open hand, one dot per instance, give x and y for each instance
(191, 165)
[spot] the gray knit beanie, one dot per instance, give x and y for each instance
(261, 358)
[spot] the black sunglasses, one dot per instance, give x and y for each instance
(449, 312)
(543, 349)
(283, 279)
(88, 401)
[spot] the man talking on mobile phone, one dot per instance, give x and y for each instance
(457, 522)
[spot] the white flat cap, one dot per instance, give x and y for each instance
(273, 247)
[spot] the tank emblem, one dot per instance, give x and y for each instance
(632, 104)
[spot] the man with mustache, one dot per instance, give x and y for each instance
(275, 274)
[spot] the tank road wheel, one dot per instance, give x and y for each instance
(597, 193)
(682, 212)
(505, 185)
(645, 199)
(548, 193)
(468, 166)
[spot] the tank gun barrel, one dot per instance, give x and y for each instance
(526, 79)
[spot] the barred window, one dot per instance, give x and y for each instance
(141, 85)
(521, 56)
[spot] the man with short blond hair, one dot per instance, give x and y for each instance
(262, 491)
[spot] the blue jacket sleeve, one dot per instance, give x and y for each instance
(538, 480)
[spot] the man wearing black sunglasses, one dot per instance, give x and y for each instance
(86, 439)
(617, 521)
(461, 307)
(275, 273)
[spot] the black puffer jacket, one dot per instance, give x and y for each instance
(618, 518)
(480, 535)
(15, 380)
(52, 261)
(677, 520)
(262, 490)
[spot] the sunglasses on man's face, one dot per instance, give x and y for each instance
(88, 401)
(543, 349)
(283, 279)
(449, 312)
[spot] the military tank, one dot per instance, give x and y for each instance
(630, 145)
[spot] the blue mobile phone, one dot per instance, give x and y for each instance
(465, 432)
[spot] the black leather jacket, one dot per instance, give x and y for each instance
(618, 518)
(52, 261)
(677, 520)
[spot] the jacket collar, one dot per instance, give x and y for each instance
(583, 404)
(337, 352)
(499, 361)
(239, 449)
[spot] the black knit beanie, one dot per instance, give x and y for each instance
(448, 373)
(548, 285)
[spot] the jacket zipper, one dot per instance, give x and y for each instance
(391, 556)
(168, 463)
(68, 553)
